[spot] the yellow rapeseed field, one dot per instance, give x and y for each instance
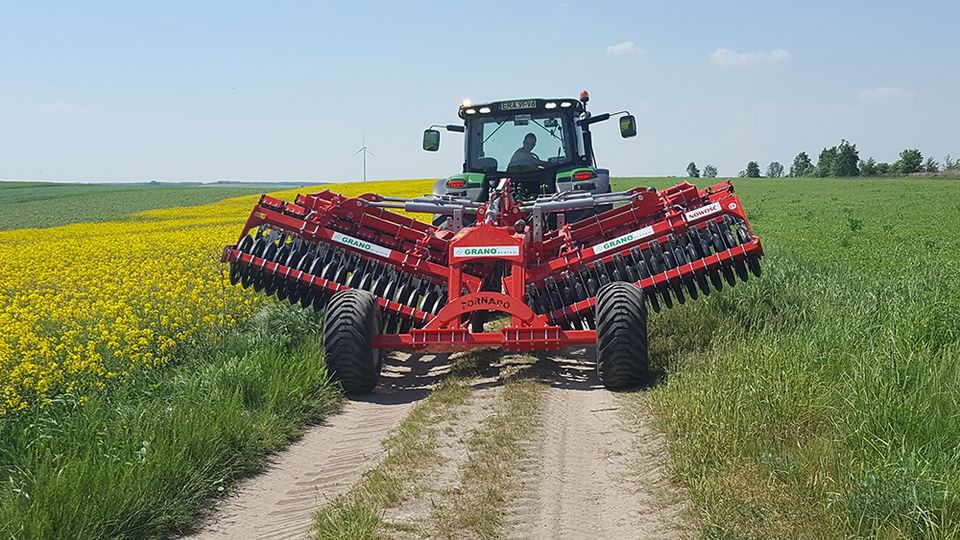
(87, 304)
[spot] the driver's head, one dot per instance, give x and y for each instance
(529, 141)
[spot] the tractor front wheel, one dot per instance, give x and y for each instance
(351, 320)
(621, 336)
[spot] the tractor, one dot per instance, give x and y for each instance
(507, 138)
(544, 243)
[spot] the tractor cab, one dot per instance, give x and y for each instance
(543, 145)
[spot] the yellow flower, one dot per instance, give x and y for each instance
(88, 303)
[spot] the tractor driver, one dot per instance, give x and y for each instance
(524, 156)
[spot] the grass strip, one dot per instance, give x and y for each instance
(142, 460)
(410, 449)
(815, 403)
(488, 478)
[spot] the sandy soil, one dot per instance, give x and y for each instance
(586, 474)
(279, 503)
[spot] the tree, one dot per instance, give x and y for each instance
(931, 166)
(884, 168)
(802, 166)
(825, 161)
(753, 170)
(709, 171)
(911, 161)
(845, 162)
(774, 169)
(868, 167)
(949, 164)
(692, 170)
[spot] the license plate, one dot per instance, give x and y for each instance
(518, 105)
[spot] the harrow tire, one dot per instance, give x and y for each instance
(621, 336)
(351, 320)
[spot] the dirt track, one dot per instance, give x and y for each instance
(582, 478)
(586, 473)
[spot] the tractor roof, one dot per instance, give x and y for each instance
(510, 106)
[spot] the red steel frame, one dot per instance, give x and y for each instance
(441, 256)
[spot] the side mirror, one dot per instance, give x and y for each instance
(628, 126)
(431, 140)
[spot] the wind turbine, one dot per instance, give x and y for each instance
(364, 150)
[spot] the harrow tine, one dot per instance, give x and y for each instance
(357, 274)
(566, 293)
(730, 239)
(671, 262)
(330, 268)
(380, 283)
(621, 265)
(249, 274)
(293, 289)
(269, 279)
(668, 262)
(307, 291)
(366, 282)
(279, 280)
(680, 253)
(601, 271)
(643, 269)
(691, 246)
(717, 242)
(706, 241)
(553, 295)
(753, 262)
(432, 303)
(257, 274)
(238, 270)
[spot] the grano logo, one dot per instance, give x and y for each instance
(360, 244)
(621, 240)
(486, 251)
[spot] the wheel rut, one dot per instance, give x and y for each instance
(590, 473)
(590, 470)
(280, 502)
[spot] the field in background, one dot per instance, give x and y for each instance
(93, 444)
(39, 204)
(822, 399)
(89, 303)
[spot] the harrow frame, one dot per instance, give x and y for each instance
(434, 285)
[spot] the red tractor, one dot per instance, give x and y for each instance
(385, 281)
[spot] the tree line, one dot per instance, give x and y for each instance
(842, 160)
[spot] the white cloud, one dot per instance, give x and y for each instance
(883, 92)
(728, 58)
(623, 49)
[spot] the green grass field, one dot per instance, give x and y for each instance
(26, 205)
(141, 460)
(823, 399)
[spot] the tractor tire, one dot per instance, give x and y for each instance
(621, 336)
(351, 320)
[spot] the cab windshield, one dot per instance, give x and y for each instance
(520, 142)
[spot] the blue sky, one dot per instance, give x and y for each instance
(132, 91)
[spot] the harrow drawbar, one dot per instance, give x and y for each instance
(433, 287)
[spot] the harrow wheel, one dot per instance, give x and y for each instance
(351, 320)
(621, 336)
